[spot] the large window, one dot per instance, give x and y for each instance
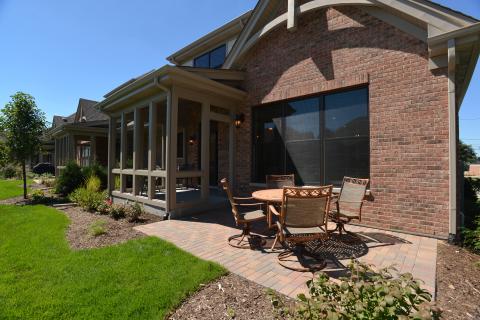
(319, 139)
(213, 59)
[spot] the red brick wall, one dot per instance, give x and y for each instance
(336, 48)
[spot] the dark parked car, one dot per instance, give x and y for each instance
(44, 167)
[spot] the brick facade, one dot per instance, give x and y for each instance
(342, 47)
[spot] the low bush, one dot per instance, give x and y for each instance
(69, 179)
(39, 197)
(105, 207)
(97, 228)
(98, 171)
(366, 294)
(133, 211)
(471, 236)
(117, 211)
(89, 197)
(11, 171)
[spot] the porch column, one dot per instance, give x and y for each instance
(55, 156)
(136, 149)
(111, 153)
(231, 149)
(205, 150)
(71, 148)
(93, 150)
(171, 156)
(152, 148)
(123, 144)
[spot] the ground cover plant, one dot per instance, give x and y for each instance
(366, 294)
(11, 188)
(43, 278)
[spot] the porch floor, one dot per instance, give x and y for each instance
(205, 236)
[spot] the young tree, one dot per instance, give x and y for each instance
(467, 154)
(23, 124)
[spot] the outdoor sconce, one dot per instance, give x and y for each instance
(192, 140)
(239, 119)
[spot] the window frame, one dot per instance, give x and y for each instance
(322, 127)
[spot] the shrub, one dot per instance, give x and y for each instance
(366, 294)
(87, 199)
(105, 207)
(39, 197)
(69, 179)
(133, 212)
(471, 237)
(11, 171)
(117, 211)
(93, 184)
(97, 228)
(98, 171)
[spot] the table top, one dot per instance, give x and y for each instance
(268, 195)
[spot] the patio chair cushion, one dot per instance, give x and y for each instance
(346, 214)
(294, 231)
(253, 215)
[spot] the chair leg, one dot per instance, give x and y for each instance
(246, 241)
(296, 256)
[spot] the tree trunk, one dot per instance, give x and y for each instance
(24, 171)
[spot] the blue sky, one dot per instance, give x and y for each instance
(59, 50)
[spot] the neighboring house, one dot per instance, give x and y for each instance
(473, 170)
(82, 136)
(321, 88)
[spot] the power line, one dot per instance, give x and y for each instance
(474, 119)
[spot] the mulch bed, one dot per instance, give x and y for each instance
(230, 297)
(117, 231)
(458, 282)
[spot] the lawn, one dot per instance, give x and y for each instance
(41, 277)
(11, 188)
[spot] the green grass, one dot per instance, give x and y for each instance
(41, 277)
(11, 188)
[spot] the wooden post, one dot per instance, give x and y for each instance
(231, 149)
(123, 151)
(152, 147)
(93, 150)
(205, 151)
(71, 148)
(111, 153)
(291, 16)
(137, 123)
(171, 156)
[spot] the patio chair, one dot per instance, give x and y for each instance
(244, 216)
(280, 181)
(303, 218)
(348, 205)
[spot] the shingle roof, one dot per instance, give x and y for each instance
(86, 108)
(89, 111)
(61, 120)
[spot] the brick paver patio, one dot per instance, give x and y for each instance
(206, 235)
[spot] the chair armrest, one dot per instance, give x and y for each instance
(273, 210)
(249, 204)
(240, 198)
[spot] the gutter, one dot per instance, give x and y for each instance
(452, 134)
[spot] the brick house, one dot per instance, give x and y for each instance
(321, 88)
(81, 137)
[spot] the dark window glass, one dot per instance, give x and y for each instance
(320, 139)
(213, 59)
(269, 150)
(302, 140)
(202, 61)
(180, 144)
(346, 114)
(217, 57)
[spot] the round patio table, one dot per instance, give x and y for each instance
(269, 196)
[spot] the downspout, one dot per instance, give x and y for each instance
(168, 91)
(452, 132)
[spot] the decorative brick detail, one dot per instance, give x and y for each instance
(340, 47)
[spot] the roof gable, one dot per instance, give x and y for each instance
(419, 17)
